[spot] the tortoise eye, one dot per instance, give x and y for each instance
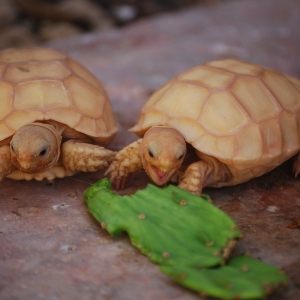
(180, 157)
(150, 153)
(43, 152)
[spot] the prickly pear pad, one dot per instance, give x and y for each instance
(242, 278)
(188, 236)
(170, 225)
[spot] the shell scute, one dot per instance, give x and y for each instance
(282, 89)
(44, 54)
(152, 118)
(294, 81)
(106, 120)
(71, 117)
(236, 66)
(190, 129)
(272, 141)
(5, 131)
(223, 115)
(35, 70)
(290, 134)
(222, 147)
(41, 95)
(208, 77)
(13, 55)
(261, 170)
(183, 100)
(79, 90)
(7, 91)
(256, 99)
(84, 74)
(18, 119)
(86, 125)
(248, 154)
(102, 126)
(156, 96)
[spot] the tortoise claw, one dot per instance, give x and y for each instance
(126, 162)
(119, 181)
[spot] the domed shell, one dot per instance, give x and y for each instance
(39, 84)
(243, 114)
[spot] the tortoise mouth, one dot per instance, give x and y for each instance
(160, 176)
(33, 167)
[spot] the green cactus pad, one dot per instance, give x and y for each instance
(188, 236)
(242, 278)
(170, 225)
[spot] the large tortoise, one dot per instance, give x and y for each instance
(55, 116)
(242, 119)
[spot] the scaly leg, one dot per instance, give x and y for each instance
(78, 156)
(126, 162)
(6, 165)
(203, 173)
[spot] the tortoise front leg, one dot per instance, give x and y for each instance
(204, 173)
(6, 165)
(126, 162)
(78, 156)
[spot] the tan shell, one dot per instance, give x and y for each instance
(39, 84)
(245, 115)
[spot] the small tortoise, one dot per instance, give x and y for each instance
(54, 115)
(242, 120)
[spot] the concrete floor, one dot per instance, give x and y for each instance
(52, 248)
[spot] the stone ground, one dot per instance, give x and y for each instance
(52, 248)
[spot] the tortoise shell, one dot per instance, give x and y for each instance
(39, 84)
(245, 115)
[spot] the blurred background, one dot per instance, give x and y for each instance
(32, 22)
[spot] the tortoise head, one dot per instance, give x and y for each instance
(162, 150)
(35, 148)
